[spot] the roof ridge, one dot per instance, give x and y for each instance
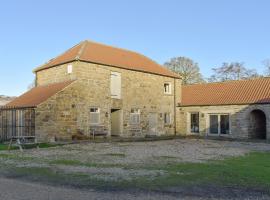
(127, 50)
(111, 46)
(229, 81)
(133, 61)
(84, 43)
(58, 56)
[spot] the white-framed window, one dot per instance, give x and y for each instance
(135, 116)
(194, 122)
(167, 118)
(116, 85)
(167, 88)
(219, 124)
(69, 69)
(94, 115)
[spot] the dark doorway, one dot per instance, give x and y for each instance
(257, 124)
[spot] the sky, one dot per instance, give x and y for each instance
(208, 31)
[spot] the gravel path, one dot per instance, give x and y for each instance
(113, 162)
(108, 161)
(183, 150)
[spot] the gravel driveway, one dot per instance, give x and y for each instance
(113, 163)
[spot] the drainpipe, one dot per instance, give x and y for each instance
(174, 108)
(35, 79)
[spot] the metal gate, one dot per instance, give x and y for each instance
(15, 122)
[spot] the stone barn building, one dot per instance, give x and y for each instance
(236, 109)
(95, 87)
(98, 88)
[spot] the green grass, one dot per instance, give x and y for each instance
(15, 157)
(252, 170)
(86, 164)
(247, 171)
(4, 147)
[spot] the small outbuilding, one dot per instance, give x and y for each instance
(236, 109)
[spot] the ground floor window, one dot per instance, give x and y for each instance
(194, 123)
(219, 124)
(135, 116)
(94, 115)
(167, 118)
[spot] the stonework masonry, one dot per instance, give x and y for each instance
(239, 119)
(67, 113)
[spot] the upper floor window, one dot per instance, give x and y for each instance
(94, 115)
(135, 116)
(167, 88)
(69, 69)
(116, 85)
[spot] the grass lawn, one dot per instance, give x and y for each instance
(4, 147)
(250, 171)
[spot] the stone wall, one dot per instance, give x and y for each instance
(54, 75)
(67, 112)
(239, 118)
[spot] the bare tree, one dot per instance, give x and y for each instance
(266, 64)
(31, 85)
(186, 68)
(232, 71)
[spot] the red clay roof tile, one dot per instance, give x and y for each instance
(37, 95)
(107, 55)
(227, 93)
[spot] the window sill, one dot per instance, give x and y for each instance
(213, 134)
(194, 133)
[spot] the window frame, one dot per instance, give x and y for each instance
(135, 112)
(69, 69)
(119, 81)
(194, 113)
(170, 118)
(219, 124)
(169, 88)
(98, 112)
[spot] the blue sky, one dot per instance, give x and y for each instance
(208, 31)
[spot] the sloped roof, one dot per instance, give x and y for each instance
(227, 93)
(107, 55)
(37, 95)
